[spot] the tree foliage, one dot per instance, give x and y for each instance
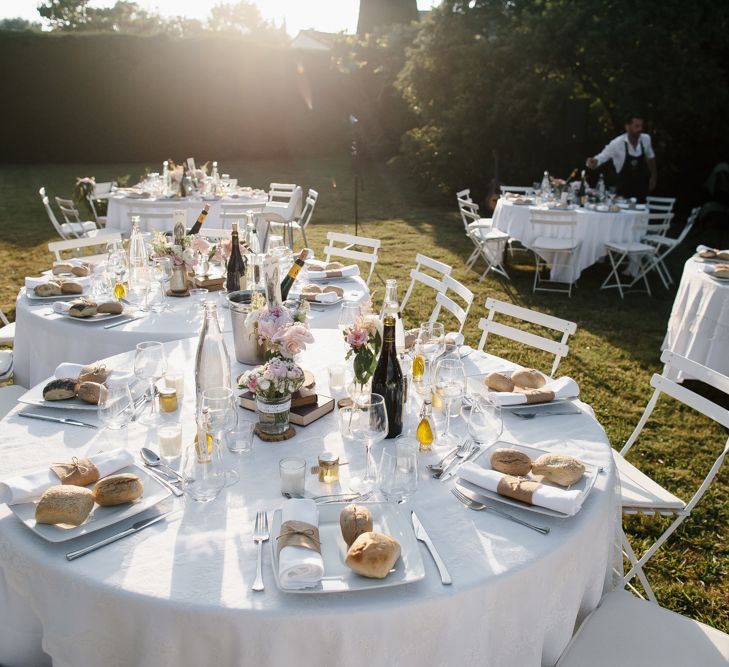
(375, 14)
(547, 82)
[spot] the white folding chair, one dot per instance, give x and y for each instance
(100, 191)
(346, 252)
(418, 275)
(6, 365)
(660, 204)
(517, 189)
(7, 330)
(642, 495)
(489, 243)
(555, 239)
(67, 230)
(665, 245)
(236, 212)
(627, 632)
(75, 245)
(152, 218)
(284, 214)
(445, 300)
(213, 234)
(558, 348)
(280, 193)
(299, 224)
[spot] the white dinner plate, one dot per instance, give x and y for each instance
(709, 260)
(100, 517)
(326, 304)
(34, 396)
(30, 294)
(100, 317)
(338, 578)
(718, 278)
(475, 385)
(583, 485)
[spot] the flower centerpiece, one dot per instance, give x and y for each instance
(364, 339)
(182, 255)
(203, 254)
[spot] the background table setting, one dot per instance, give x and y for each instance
(593, 229)
(183, 591)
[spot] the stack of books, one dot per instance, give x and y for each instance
(306, 405)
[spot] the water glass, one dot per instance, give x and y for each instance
(337, 375)
(115, 406)
(430, 344)
(449, 385)
(175, 379)
(293, 476)
(156, 298)
(202, 474)
(365, 422)
(170, 440)
(199, 295)
(239, 439)
(150, 365)
(398, 475)
(220, 405)
(485, 423)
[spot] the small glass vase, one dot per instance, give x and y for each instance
(202, 268)
(273, 414)
(178, 281)
(360, 391)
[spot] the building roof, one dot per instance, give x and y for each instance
(314, 40)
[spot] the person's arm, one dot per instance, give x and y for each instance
(603, 156)
(651, 160)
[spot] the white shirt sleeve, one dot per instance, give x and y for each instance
(647, 146)
(610, 151)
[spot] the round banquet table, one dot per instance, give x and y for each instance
(593, 229)
(45, 339)
(179, 592)
(699, 324)
(121, 207)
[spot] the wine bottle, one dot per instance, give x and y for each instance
(388, 381)
(390, 306)
(200, 220)
(582, 192)
(236, 266)
(290, 277)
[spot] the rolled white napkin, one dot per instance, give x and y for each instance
(326, 297)
(31, 282)
(701, 247)
(345, 272)
(567, 501)
(564, 387)
(24, 488)
(61, 307)
(299, 567)
(69, 370)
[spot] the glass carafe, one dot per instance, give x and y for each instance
(212, 363)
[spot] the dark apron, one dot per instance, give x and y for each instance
(633, 178)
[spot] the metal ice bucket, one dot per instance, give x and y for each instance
(247, 349)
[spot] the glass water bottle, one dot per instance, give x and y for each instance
(212, 363)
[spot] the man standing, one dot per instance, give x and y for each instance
(633, 158)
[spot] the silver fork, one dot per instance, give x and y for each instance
(476, 506)
(357, 499)
(260, 535)
(463, 450)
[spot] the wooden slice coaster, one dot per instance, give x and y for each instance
(345, 403)
(309, 380)
(185, 293)
(278, 437)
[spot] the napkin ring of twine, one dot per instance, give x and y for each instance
(299, 534)
(79, 472)
(517, 488)
(536, 395)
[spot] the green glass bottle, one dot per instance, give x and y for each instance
(387, 379)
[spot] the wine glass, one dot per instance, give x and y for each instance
(115, 405)
(398, 474)
(150, 365)
(348, 315)
(450, 385)
(431, 344)
(366, 422)
(162, 272)
(485, 424)
(220, 405)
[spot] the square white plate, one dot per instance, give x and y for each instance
(583, 485)
(100, 317)
(475, 385)
(338, 578)
(32, 296)
(34, 396)
(100, 517)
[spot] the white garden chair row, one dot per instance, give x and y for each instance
(71, 228)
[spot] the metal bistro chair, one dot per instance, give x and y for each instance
(665, 245)
(489, 243)
(445, 300)
(101, 191)
(67, 230)
(516, 189)
(642, 495)
(346, 252)
(558, 348)
(58, 247)
(7, 330)
(660, 204)
(298, 223)
(543, 222)
(283, 213)
(418, 275)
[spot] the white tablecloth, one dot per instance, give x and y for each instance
(120, 208)
(44, 339)
(178, 593)
(699, 324)
(592, 229)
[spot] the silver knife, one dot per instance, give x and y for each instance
(58, 420)
(421, 535)
(166, 483)
(120, 322)
(135, 528)
(452, 471)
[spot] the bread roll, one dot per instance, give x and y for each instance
(354, 520)
(47, 289)
(61, 267)
(118, 489)
(71, 287)
(723, 254)
(59, 389)
(334, 266)
(310, 290)
(333, 288)
(721, 270)
(511, 462)
(94, 373)
(111, 307)
(558, 468)
(64, 504)
(373, 555)
(82, 308)
(499, 382)
(92, 392)
(80, 270)
(528, 378)
(708, 254)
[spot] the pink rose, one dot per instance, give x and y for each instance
(200, 244)
(358, 337)
(293, 339)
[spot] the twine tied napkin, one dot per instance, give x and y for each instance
(299, 534)
(78, 472)
(564, 387)
(300, 566)
(320, 273)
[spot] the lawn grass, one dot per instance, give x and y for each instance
(614, 353)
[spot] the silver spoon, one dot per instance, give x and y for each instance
(153, 460)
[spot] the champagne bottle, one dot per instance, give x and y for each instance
(582, 192)
(290, 277)
(391, 306)
(388, 381)
(200, 220)
(236, 267)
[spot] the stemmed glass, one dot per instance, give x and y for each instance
(431, 344)
(485, 424)
(222, 417)
(162, 271)
(115, 405)
(116, 262)
(348, 315)
(150, 364)
(366, 422)
(450, 385)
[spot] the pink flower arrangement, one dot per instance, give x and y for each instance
(200, 245)
(278, 332)
(293, 339)
(275, 379)
(358, 337)
(364, 340)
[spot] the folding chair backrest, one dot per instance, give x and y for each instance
(57, 247)
(467, 208)
(693, 217)
(346, 252)
(675, 364)
(546, 221)
(660, 204)
(280, 192)
(213, 234)
(152, 219)
(103, 188)
(418, 275)
(516, 189)
(68, 209)
(558, 348)
(230, 213)
(445, 300)
(308, 209)
(52, 215)
(3, 319)
(656, 224)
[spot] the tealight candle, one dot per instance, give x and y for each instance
(328, 467)
(293, 476)
(336, 377)
(170, 440)
(176, 381)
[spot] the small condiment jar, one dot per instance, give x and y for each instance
(168, 399)
(328, 467)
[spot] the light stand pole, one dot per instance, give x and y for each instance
(355, 169)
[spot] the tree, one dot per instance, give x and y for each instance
(382, 13)
(240, 17)
(18, 24)
(64, 14)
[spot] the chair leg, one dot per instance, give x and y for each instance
(614, 272)
(303, 236)
(637, 570)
